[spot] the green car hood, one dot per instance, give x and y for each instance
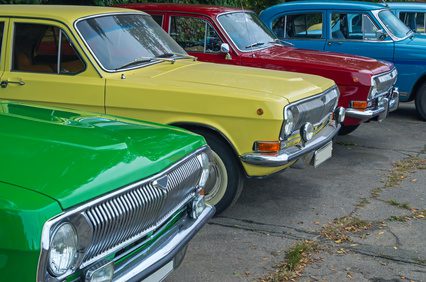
(73, 157)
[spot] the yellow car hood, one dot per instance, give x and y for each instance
(227, 80)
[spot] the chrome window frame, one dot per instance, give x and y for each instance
(323, 30)
(207, 23)
(55, 221)
(376, 13)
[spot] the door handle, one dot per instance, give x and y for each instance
(5, 83)
(334, 43)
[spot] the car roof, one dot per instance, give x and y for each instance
(64, 13)
(187, 8)
(321, 5)
(407, 5)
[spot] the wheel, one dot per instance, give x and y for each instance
(347, 129)
(421, 102)
(226, 181)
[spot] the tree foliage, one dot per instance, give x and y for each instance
(256, 5)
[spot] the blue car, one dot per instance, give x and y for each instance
(412, 14)
(359, 28)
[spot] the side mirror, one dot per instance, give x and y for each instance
(381, 34)
(224, 48)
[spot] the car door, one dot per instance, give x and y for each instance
(303, 29)
(198, 36)
(359, 34)
(44, 66)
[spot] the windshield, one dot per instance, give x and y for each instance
(246, 30)
(395, 25)
(124, 40)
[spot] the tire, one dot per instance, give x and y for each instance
(226, 179)
(347, 129)
(421, 102)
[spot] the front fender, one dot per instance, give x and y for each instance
(22, 216)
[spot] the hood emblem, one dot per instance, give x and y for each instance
(161, 183)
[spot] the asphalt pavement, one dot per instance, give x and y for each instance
(377, 175)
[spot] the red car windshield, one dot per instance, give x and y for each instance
(246, 30)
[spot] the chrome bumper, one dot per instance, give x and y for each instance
(288, 155)
(390, 104)
(167, 247)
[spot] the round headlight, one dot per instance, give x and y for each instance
(289, 123)
(204, 160)
(373, 90)
(307, 131)
(63, 249)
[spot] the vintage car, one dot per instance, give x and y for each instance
(120, 62)
(238, 37)
(87, 197)
(412, 14)
(360, 28)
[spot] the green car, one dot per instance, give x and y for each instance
(87, 197)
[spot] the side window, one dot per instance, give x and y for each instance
(354, 26)
(44, 49)
(195, 35)
(299, 26)
(416, 21)
(158, 19)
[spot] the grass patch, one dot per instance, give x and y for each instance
(339, 229)
(376, 192)
(363, 202)
(399, 205)
(398, 218)
(296, 260)
(402, 168)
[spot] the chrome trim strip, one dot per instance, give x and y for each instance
(288, 155)
(47, 227)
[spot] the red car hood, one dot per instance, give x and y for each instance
(324, 60)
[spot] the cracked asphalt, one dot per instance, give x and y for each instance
(249, 239)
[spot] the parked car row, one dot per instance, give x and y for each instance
(109, 195)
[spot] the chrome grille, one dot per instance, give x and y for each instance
(128, 216)
(317, 109)
(385, 82)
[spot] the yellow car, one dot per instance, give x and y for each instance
(120, 62)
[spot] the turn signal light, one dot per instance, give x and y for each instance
(267, 146)
(359, 105)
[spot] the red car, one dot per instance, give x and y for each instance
(235, 36)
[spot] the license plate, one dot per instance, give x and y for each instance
(323, 154)
(160, 274)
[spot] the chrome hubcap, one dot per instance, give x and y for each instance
(217, 182)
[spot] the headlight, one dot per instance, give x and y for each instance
(373, 89)
(63, 249)
(204, 160)
(288, 123)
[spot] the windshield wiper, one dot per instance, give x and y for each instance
(145, 60)
(135, 62)
(255, 45)
(169, 55)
